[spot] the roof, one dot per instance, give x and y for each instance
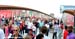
(3, 7)
(72, 12)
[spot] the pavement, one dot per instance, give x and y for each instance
(59, 34)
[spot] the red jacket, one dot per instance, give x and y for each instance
(21, 25)
(65, 34)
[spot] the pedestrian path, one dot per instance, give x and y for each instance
(58, 34)
(50, 34)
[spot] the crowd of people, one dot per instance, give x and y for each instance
(14, 27)
(69, 32)
(27, 28)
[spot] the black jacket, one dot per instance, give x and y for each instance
(19, 37)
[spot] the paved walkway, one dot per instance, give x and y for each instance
(59, 34)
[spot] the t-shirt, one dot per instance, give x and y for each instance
(41, 24)
(1, 34)
(71, 36)
(33, 28)
(29, 25)
(46, 37)
(56, 28)
(47, 25)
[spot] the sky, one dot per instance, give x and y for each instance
(46, 6)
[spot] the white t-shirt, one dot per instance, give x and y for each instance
(30, 24)
(47, 25)
(10, 35)
(33, 28)
(46, 37)
(56, 28)
(1, 34)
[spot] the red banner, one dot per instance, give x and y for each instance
(9, 13)
(70, 20)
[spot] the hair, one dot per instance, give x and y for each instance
(61, 21)
(44, 29)
(46, 21)
(15, 26)
(30, 30)
(65, 27)
(70, 27)
(27, 37)
(39, 36)
(5, 24)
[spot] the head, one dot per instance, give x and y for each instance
(34, 23)
(46, 21)
(10, 22)
(5, 24)
(30, 32)
(44, 30)
(40, 36)
(16, 30)
(65, 27)
(2, 16)
(61, 22)
(30, 20)
(56, 21)
(70, 29)
(27, 37)
(10, 18)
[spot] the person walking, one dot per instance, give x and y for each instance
(30, 34)
(44, 30)
(39, 36)
(71, 35)
(56, 28)
(5, 27)
(16, 34)
(1, 33)
(47, 25)
(65, 34)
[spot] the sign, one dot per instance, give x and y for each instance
(30, 12)
(62, 8)
(69, 18)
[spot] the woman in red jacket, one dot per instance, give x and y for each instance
(65, 33)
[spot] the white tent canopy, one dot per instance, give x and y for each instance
(46, 6)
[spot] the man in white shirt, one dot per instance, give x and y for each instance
(56, 30)
(1, 34)
(30, 24)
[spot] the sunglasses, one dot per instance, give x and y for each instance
(15, 30)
